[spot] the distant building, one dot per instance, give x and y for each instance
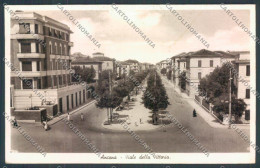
(196, 65)
(107, 63)
(146, 66)
(122, 68)
(89, 63)
(98, 54)
(134, 65)
(40, 50)
(99, 62)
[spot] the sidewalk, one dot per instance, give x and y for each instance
(211, 120)
(58, 118)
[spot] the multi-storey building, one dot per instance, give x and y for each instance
(46, 66)
(107, 63)
(196, 65)
(88, 63)
(178, 67)
(134, 65)
(122, 68)
(242, 80)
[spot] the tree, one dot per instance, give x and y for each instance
(84, 74)
(182, 80)
(169, 74)
(163, 71)
(155, 96)
(238, 106)
(216, 87)
(88, 74)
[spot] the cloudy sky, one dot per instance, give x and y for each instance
(118, 40)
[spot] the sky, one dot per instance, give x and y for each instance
(118, 40)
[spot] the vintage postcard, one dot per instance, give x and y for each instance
(168, 84)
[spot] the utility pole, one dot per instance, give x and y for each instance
(230, 115)
(110, 93)
(155, 79)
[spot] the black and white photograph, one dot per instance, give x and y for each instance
(169, 84)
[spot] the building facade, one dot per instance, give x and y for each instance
(242, 80)
(40, 51)
(88, 63)
(195, 65)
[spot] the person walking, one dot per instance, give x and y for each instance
(82, 116)
(194, 113)
(68, 116)
(45, 126)
(15, 123)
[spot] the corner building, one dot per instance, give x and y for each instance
(40, 50)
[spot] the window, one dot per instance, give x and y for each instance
(50, 32)
(79, 97)
(199, 75)
(60, 49)
(76, 99)
(84, 96)
(60, 36)
(247, 115)
(53, 65)
(55, 33)
(26, 66)
(55, 80)
(199, 63)
(211, 63)
(36, 29)
(38, 68)
(68, 105)
(37, 48)
(60, 80)
(65, 52)
(55, 49)
(72, 103)
(248, 70)
(24, 28)
(27, 84)
(247, 93)
(25, 47)
(39, 86)
(50, 49)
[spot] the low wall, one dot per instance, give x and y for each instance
(52, 110)
(36, 115)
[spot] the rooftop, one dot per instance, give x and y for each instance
(44, 19)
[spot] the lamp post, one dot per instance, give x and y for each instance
(229, 106)
(31, 99)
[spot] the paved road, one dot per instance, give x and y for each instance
(62, 139)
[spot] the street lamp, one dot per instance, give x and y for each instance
(31, 99)
(230, 116)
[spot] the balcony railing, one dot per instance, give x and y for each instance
(27, 36)
(30, 55)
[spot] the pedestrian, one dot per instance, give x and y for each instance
(194, 113)
(15, 123)
(68, 116)
(82, 116)
(45, 126)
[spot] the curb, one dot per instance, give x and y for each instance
(58, 118)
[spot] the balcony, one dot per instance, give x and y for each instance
(27, 36)
(58, 56)
(30, 55)
(70, 44)
(29, 74)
